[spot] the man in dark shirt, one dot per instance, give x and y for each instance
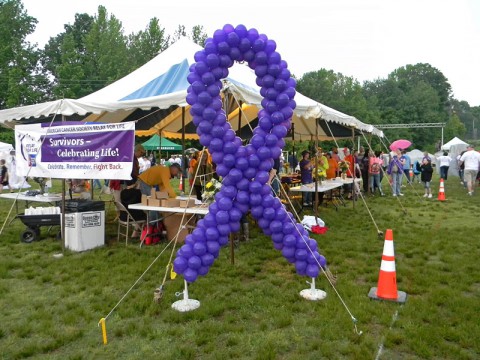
(306, 176)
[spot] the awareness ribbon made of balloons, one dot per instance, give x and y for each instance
(245, 169)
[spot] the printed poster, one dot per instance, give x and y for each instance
(75, 150)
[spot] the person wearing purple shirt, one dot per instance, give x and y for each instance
(306, 176)
(395, 170)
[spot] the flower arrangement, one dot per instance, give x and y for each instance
(343, 165)
(211, 188)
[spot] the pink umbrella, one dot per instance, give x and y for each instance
(400, 144)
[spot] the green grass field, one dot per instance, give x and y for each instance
(50, 307)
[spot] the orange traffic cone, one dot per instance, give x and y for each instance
(180, 184)
(441, 192)
(387, 278)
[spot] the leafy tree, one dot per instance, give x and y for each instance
(410, 75)
(107, 57)
(21, 79)
(340, 92)
(454, 127)
(199, 35)
(145, 45)
(66, 53)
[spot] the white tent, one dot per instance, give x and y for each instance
(417, 155)
(454, 141)
(5, 147)
(162, 83)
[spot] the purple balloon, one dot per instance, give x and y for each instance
(199, 248)
(269, 213)
(289, 240)
(187, 251)
(288, 251)
(203, 270)
(264, 223)
(276, 226)
(278, 246)
(194, 262)
(229, 160)
(222, 217)
(190, 275)
(224, 230)
(213, 247)
(257, 211)
(241, 31)
(234, 227)
(255, 199)
(288, 228)
(242, 164)
(211, 234)
(301, 266)
(180, 264)
(301, 254)
(223, 240)
(312, 270)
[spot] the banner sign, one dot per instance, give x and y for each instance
(75, 150)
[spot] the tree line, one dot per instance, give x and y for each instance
(94, 51)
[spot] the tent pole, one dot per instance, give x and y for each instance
(183, 149)
(159, 146)
(316, 170)
(239, 118)
(354, 170)
(63, 208)
(293, 144)
(232, 238)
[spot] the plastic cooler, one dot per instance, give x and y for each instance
(84, 224)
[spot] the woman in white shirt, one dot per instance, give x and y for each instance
(444, 163)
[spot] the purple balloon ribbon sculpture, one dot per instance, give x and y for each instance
(245, 169)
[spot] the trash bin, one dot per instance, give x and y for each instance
(84, 224)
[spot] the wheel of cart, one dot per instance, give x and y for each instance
(33, 224)
(29, 235)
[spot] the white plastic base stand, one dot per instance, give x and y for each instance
(312, 293)
(186, 304)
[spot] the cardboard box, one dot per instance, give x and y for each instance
(173, 223)
(170, 202)
(154, 202)
(153, 192)
(145, 199)
(161, 195)
(187, 203)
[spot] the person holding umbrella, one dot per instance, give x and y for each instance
(395, 170)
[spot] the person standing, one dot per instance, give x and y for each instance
(375, 167)
(306, 176)
(203, 173)
(426, 169)
(444, 162)
(470, 159)
(332, 171)
(395, 170)
(3, 175)
(407, 162)
(364, 169)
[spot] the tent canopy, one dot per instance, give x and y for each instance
(154, 94)
(157, 143)
(5, 146)
(454, 141)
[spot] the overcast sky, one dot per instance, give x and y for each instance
(365, 39)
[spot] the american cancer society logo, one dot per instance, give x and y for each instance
(29, 150)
